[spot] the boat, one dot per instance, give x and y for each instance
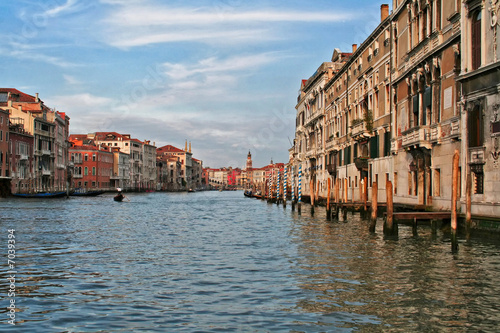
(86, 193)
(248, 193)
(41, 195)
(191, 190)
(119, 197)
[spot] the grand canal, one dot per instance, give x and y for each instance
(219, 262)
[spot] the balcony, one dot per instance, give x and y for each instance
(313, 118)
(447, 129)
(361, 163)
(46, 152)
(417, 137)
(46, 172)
(77, 176)
(23, 157)
(332, 169)
(311, 153)
(331, 143)
(359, 131)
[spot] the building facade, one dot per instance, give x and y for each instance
(21, 159)
(423, 85)
(479, 84)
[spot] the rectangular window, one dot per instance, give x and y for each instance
(475, 127)
(374, 147)
(93, 157)
(478, 183)
(415, 110)
(427, 103)
(86, 157)
(93, 171)
(85, 172)
(495, 127)
(387, 143)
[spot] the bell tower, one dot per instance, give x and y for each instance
(249, 161)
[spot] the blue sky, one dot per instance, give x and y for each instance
(221, 74)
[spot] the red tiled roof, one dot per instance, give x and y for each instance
(104, 135)
(77, 137)
(23, 97)
(137, 140)
(169, 149)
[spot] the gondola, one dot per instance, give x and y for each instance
(86, 193)
(41, 195)
(119, 197)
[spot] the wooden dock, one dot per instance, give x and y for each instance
(417, 216)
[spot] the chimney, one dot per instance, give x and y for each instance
(36, 98)
(384, 12)
(186, 146)
(354, 47)
(190, 146)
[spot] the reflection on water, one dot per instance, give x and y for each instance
(216, 261)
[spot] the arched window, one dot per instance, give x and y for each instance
(476, 39)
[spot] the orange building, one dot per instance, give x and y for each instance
(93, 164)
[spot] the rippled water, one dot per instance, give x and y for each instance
(219, 262)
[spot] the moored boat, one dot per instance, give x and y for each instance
(86, 193)
(59, 194)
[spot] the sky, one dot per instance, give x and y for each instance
(223, 75)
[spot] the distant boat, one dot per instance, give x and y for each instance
(119, 197)
(248, 194)
(86, 193)
(41, 195)
(191, 190)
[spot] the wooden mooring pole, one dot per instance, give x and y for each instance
(328, 211)
(388, 225)
(337, 198)
(285, 190)
(373, 220)
(454, 195)
(300, 190)
(311, 195)
(293, 188)
(468, 204)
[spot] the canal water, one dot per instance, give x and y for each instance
(220, 262)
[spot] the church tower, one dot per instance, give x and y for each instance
(249, 161)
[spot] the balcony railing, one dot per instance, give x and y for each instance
(359, 131)
(446, 129)
(417, 136)
(46, 172)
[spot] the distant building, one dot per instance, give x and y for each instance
(21, 159)
(185, 158)
(93, 164)
(169, 170)
(41, 122)
(197, 174)
(4, 153)
(142, 170)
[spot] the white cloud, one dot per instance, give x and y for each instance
(71, 80)
(132, 25)
(70, 5)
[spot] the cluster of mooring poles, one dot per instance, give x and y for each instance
(338, 201)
